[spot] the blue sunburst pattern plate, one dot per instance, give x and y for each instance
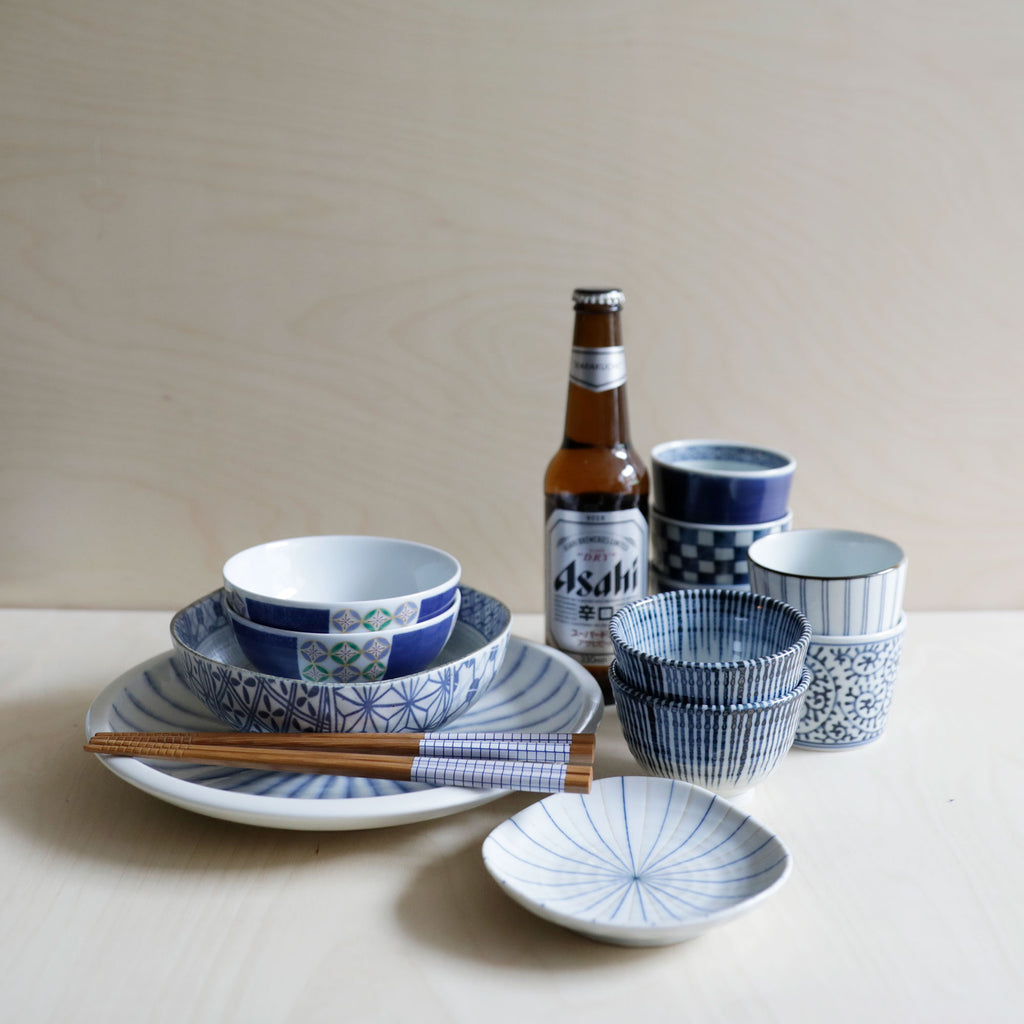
(637, 861)
(536, 689)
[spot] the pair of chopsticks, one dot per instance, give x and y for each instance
(532, 762)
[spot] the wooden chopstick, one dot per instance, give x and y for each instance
(530, 776)
(567, 748)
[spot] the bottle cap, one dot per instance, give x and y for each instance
(608, 298)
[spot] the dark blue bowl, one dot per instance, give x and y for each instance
(721, 483)
(344, 657)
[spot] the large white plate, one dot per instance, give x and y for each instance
(537, 689)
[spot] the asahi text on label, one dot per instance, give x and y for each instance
(595, 562)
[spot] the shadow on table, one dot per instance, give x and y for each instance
(58, 796)
(452, 903)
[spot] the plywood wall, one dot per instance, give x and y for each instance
(269, 269)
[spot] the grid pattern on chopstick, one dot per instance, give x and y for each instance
(441, 771)
(555, 748)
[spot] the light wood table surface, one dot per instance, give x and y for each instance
(906, 901)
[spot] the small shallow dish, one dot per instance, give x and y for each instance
(728, 749)
(721, 482)
(853, 679)
(637, 861)
(344, 657)
(702, 553)
(213, 667)
(710, 646)
(846, 583)
(340, 583)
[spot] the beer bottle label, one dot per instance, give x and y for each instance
(595, 563)
(598, 369)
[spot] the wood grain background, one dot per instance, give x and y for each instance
(270, 269)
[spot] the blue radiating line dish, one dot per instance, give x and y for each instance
(636, 862)
(536, 689)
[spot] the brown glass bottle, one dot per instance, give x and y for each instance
(595, 495)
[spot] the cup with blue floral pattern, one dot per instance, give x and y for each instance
(853, 679)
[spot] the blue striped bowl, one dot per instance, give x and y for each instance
(725, 748)
(711, 646)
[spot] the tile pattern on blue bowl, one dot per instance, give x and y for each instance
(851, 691)
(637, 861)
(214, 668)
(722, 748)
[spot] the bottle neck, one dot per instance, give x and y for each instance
(596, 418)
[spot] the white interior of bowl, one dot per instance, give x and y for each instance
(340, 569)
(725, 458)
(825, 554)
(735, 637)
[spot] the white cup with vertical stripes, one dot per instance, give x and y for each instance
(846, 583)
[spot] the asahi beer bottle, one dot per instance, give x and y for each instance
(595, 491)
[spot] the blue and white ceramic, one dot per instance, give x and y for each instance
(214, 668)
(340, 583)
(725, 748)
(659, 582)
(702, 553)
(536, 689)
(344, 657)
(637, 861)
(710, 646)
(846, 583)
(720, 482)
(852, 683)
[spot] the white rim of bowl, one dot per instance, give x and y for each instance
(896, 567)
(788, 462)
(806, 676)
(656, 513)
(804, 640)
(453, 580)
(363, 636)
(848, 639)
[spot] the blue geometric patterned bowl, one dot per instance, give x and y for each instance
(340, 583)
(213, 667)
(344, 657)
(637, 861)
(710, 646)
(727, 749)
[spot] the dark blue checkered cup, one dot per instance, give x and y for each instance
(703, 554)
(711, 501)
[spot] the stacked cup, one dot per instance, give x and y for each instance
(709, 684)
(850, 586)
(342, 609)
(712, 500)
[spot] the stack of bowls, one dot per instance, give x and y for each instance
(342, 609)
(711, 501)
(850, 586)
(340, 634)
(709, 684)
